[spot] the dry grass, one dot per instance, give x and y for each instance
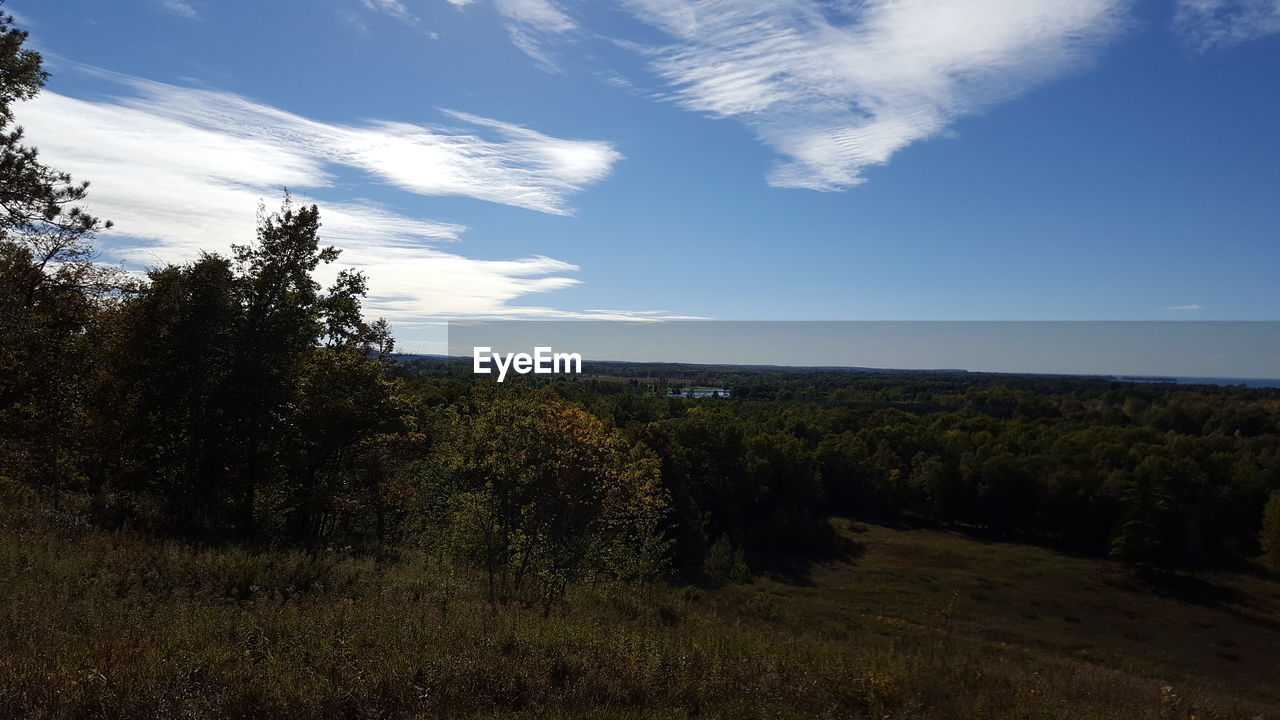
(926, 625)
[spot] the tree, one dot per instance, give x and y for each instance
(844, 463)
(239, 375)
(38, 210)
(174, 361)
(1138, 541)
(51, 291)
(790, 514)
(1270, 537)
(724, 563)
(284, 317)
(542, 493)
(349, 415)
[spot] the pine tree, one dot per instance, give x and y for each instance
(50, 291)
(1138, 541)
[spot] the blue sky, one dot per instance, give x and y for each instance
(992, 159)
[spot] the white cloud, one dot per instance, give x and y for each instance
(542, 15)
(179, 7)
(498, 162)
(394, 8)
(357, 23)
(19, 19)
(839, 89)
(1182, 307)
(180, 171)
(534, 23)
(1215, 23)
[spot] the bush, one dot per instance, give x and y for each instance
(724, 563)
(540, 493)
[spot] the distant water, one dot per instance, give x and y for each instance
(1247, 382)
(701, 392)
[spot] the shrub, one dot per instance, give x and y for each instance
(724, 563)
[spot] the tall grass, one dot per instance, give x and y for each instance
(109, 625)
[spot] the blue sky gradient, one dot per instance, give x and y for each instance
(1082, 160)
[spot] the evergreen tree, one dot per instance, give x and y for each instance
(51, 292)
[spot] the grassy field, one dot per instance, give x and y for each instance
(1214, 637)
(914, 624)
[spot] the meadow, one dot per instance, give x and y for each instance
(909, 623)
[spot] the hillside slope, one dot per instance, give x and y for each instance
(914, 624)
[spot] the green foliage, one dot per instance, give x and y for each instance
(248, 399)
(1067, 461)
(1270, 537)
(728, 476)
(21, 74)
(50, 294)
(1136, 543)
(724, 563)
(36, 202)
(542, 493)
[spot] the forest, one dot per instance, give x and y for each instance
(1157, 475)
(239, 410)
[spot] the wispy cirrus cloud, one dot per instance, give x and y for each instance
(1184, 308)
(533, 25)
(394, 9)
(178, 7)
(837, 89)
(18, 18)
(475, 157)
(1207, 24)
(182, 171)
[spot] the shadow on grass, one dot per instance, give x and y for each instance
(987, 536)
(798, 569)
(1187, 588)
(1199, 591)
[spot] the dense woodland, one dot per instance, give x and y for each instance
(233, 399)
(1157, 475)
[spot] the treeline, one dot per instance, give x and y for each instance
(1151, 474)
(202, 396)
(1148, 473)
